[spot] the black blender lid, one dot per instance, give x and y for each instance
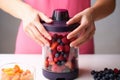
(60, 17)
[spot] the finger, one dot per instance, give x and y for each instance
(42, 29)
(30, 33)
(92, 32)
(83, 24)
(83, 37)
(75, 19)
(45, 18)
(91, 35)
(38, 36)
(77, 31)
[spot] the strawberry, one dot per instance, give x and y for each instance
(54, 45)
(54, 52)
(46, 62)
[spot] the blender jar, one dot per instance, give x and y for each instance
(60, 60)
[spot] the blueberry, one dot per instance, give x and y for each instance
(95, 75)
(57, 55)
(53, 40)
(62, 62)
(65, 55)
(119, 75)
(110, 71)
(62, 53)
(106, 74)
(103, 78)
(93, 72)
(105, 69)
(118, 78)
(59, 40)
(111, 76)
(59, 63)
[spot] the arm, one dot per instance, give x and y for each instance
(86, 18)
(103, 8)
(14, 7)
(30, 17)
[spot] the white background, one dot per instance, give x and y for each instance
(107, 37)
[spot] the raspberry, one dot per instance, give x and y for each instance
(55, 36)
(65, 40)
(67, 48)
(61, 58)
(116, 70)
(60, 48)
(60, 36)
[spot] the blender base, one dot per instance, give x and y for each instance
(61, 76)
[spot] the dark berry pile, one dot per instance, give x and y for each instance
(60, 57)
(106, 74)
(59, 49)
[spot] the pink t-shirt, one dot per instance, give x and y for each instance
(24, 44)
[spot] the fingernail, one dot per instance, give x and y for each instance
(68, 37)
(50, 20)
(49, 38)
(67, 23)
(71, 45)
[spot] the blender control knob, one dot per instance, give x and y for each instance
(60, 15)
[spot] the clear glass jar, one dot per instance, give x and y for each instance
(60, 60)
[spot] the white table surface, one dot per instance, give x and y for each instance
(86, 63)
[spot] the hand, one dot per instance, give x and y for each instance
(85, 30)
(33, 27)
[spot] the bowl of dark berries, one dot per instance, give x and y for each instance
(106, 74)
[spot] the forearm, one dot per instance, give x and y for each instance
(102, 8)
(14, 7)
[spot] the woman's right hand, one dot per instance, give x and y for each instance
(33, 27)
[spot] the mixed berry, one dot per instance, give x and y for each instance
(106, 74)
(58, 57)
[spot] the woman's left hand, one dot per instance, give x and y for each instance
(85, 30)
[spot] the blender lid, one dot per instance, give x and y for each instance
(60, 17)
(60, 26)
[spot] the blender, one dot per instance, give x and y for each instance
(60, 60)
